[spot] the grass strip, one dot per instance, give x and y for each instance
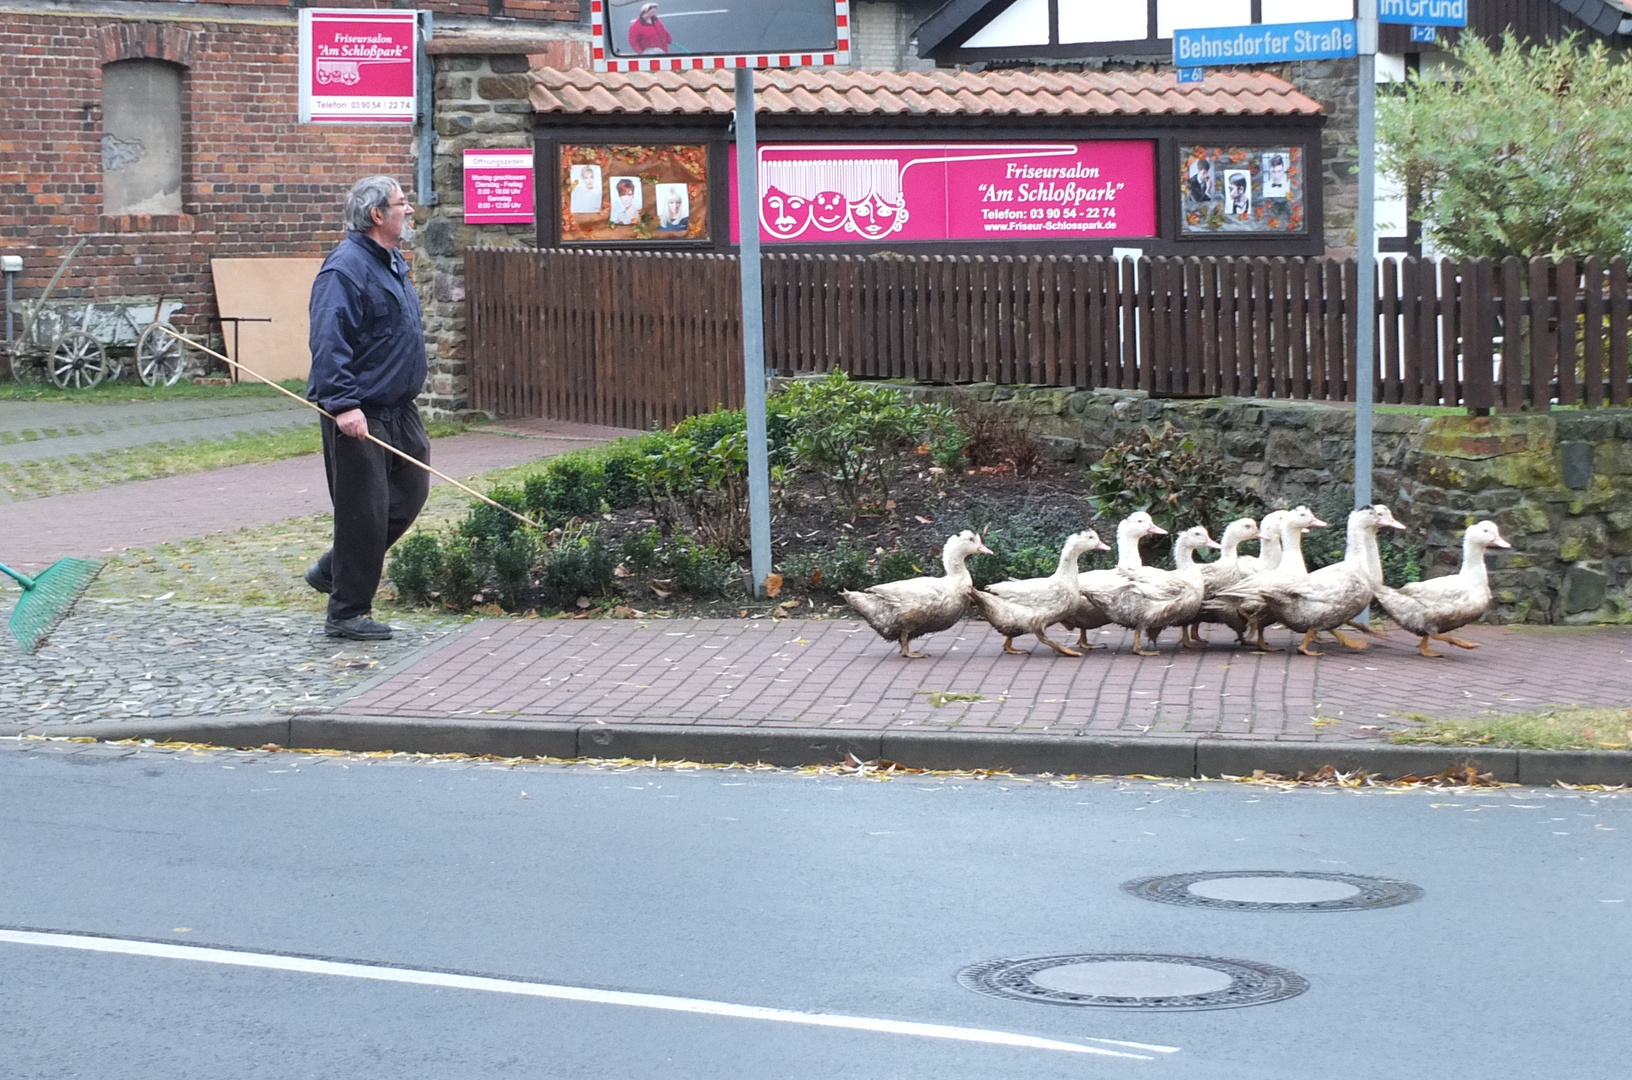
(131, 389)
(88, 472)
(1561, 728)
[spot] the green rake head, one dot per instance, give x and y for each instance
(48, 598)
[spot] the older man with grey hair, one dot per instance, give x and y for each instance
(368, 366)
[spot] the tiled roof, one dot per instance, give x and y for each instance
(921, 93)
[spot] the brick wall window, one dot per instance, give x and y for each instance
(141, 138)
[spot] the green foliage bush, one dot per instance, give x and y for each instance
(699, 569)
(844, 566)
(485, 523)
(1165, 474)
(851, 434)
(570, 486)
(414, 564)
(640, 549)
(580, 565)
(1526, 150)
(899, 564)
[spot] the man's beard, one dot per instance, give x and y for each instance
(407, 233)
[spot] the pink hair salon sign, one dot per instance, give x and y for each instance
(357, 67)
(875, 192)
(498, 186)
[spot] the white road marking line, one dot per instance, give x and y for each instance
(307, 965)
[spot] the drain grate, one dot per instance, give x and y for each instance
(1151, 981)
(1274, 890)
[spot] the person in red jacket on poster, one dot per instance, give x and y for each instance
(647, 33)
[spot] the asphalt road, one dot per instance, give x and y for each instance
(731, 26)
(651, 905)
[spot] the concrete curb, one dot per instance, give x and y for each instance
(1174, 757)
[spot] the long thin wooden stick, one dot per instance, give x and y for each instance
(367, 435)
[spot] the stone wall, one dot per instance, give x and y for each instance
(481, 102)
(1556, 483)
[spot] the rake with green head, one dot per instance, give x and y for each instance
(47, 598)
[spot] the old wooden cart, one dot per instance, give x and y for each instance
(78, 343)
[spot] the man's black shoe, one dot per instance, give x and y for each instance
(357, 628)
(317, 579)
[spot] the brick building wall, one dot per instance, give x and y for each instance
(256, 183)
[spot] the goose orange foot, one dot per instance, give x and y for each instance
(909, 652)
(1350, 643)
(1458, 642)
(1422, 647)
(1303, 646)
(1008, 647)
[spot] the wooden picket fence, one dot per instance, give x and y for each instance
(638, 339)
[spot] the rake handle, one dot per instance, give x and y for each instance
(22, 579)
(529, 522)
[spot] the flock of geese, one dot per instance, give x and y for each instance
(1246, 593)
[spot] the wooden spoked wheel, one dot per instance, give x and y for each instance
(159, 359)
(76, 361)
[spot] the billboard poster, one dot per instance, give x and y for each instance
(1230, 190)
(634, 194)
(498, 187)
(695, 35)
(926, 192)
(357, 66)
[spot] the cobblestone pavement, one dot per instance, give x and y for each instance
(52, 430)
(837, 673)
(124, 659)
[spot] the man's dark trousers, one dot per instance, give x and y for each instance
(376, 497)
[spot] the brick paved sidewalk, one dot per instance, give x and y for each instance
(838, 675)
(34, 532)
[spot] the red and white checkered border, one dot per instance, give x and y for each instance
(840, 56)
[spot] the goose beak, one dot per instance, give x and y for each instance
(1156, 530)
(1214, 544)
(1101, 546)
(1499, 542)
(1317, 523)
(982, 549)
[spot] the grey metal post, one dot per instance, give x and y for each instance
(9, 276)
(1366, 242)
(424, 177)
(753, 332)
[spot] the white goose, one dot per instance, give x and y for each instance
(1031, 605)
(1284, 558)
(1222, 574)
(903, 610)
(1086, 615)
(1326, 598)
(1148, 600)
(1433, 608)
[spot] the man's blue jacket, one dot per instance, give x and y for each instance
(367, 336)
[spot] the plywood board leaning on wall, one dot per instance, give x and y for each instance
(276, 289)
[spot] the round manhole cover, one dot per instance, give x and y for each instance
(1274, 890)
(1134, 981)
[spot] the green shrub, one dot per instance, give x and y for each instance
(579, 565)
(485, 523)
(699, 569)
(640, 549)
(460, 579)
(620, 469)
(706, 429)
(899, 565)
(1166, 475)
(845, 566)
(700, 490)
(570, 486)
(513, 561)
(415, 563)
(851, 434)
(1025, 535)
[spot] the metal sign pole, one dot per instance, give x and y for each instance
(1366, 241)
(753, 331)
